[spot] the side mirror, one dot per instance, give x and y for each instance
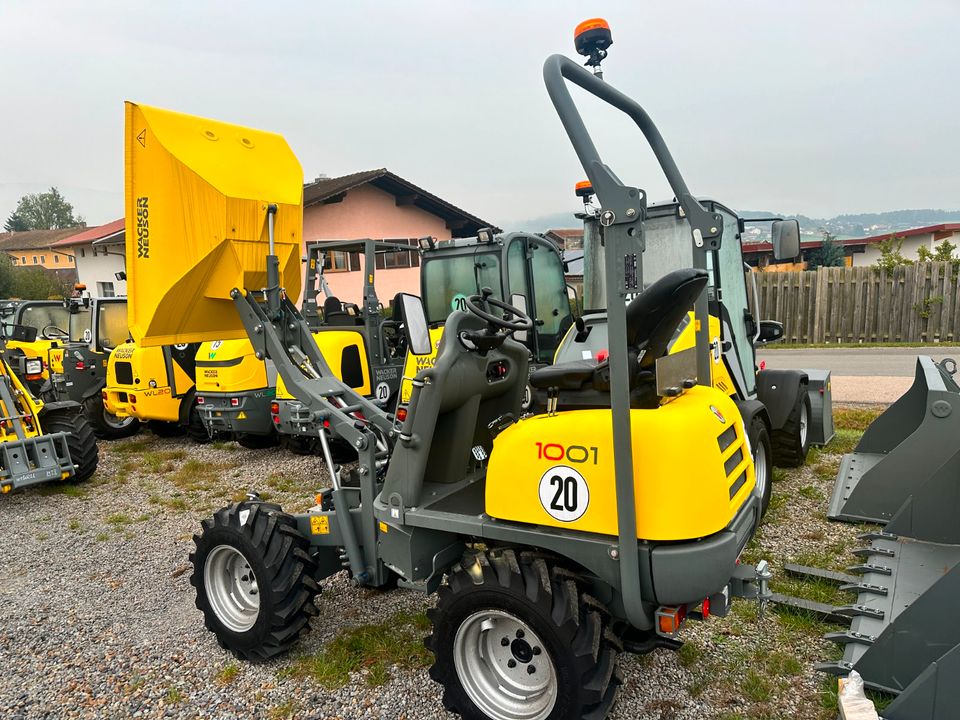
(785, 235)
(520, 303)
(415, 325)
(770, 331)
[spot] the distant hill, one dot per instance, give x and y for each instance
(844, 226)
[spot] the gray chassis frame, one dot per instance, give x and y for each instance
(425, 536)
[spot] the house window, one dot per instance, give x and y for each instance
(105, 289)
(14, 261)
(23, 259)
(43, 259)
(336, 261)
(34, 259)
(83, 253)
(56, 259)
(71, 258)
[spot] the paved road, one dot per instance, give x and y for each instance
(886, 362)
(861, 375)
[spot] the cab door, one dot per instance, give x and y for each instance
(536, 272)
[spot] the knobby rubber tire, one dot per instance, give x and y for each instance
(788, 450)
(81, 441)
(196, 430)
(94, 410)
(759, 434)
(574, 628)
(279, 558)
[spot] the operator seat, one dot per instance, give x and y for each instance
(652, 318)
(334, 314)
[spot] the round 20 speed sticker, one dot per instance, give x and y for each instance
(564, 493)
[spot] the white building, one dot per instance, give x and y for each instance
(100, 261)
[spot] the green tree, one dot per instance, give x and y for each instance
(829, 254)
(890, 254)
(29, 283)
(15, 223)
(43, 211)
(940, 253)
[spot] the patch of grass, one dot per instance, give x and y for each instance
(844, 441)
(43, 536)
(222, 445)
(160, 461)
(283, 483)
(794, 622)
(101, 536)
(228, 674)
(174, 696)
(756, 686)
(828, 696)
(119, 519)
(374, 648)
(782, 664)
(198, 476)
(810, 493)
(827, 469)
(689, 654)
(63, 488)
(286, 709)
(74, 524)
(858, 419)
(810, 589)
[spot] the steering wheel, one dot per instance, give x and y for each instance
(521, 322)
(52, 332)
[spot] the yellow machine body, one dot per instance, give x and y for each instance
(131, 394)
(26, 406)
(49, 351)
(416, 363)
(720, 376)
(336, 346)
(229, 366)
(196, 198)
(700, 433)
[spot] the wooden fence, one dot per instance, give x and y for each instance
(914, 303)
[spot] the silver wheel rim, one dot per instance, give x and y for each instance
(760, 468)
(803, 425)
(483, 663)
(231, 588)
(115, 422)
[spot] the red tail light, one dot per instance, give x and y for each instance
(81, 365)
(402, 414)
(200, 400)
(602, 355)
(274, 408)
(234, 402)
(763, 364)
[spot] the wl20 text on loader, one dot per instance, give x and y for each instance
(554, 542)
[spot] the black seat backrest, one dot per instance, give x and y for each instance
(653, 317)
(398, 308)
(334, 314)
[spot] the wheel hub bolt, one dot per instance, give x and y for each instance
(519, 633)
(531, 669)
(505, 641)
(511, 663)
(536, 650)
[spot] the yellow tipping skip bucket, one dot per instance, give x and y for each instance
(197, 193)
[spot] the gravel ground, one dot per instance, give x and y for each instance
(97, 615)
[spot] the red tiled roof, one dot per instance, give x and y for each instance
(872, 240)
(95, 233)
(33, 239)
(566, 232)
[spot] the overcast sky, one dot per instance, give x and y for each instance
(812, 107)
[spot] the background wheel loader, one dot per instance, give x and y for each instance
(48, 320)
(40, 442)
(155, 385)
(96, 326)
(554, 542)
(240, 394)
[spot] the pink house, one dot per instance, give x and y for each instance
(380, 205)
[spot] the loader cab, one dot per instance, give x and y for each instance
(512, 265)
(48, 318)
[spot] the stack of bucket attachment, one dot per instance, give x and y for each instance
(904, 474)
(903, 637)
(906, 454)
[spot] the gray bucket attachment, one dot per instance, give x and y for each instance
(903, 617)
(820, 428)
(905, 448)
(934, 695)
